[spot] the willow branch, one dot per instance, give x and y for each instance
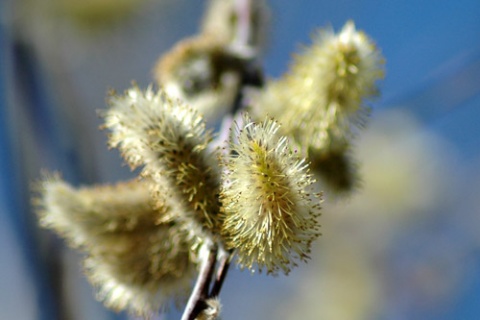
(196, 302)
(244, 28)
(222, 271)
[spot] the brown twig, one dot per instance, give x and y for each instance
(196, 302)
(222, 271)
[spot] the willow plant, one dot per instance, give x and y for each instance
(249, 194)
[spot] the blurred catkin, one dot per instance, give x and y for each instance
(222, 20)
(212, 311)
(201, 72)
(321, 100)
(138, 262)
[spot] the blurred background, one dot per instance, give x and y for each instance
(405, 246)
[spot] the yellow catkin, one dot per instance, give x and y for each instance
(270, 216)
(168, 138)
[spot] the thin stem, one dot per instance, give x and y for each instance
(221, 274)
(208, 278)
(244, 16)
(196, 302)
(252, 75)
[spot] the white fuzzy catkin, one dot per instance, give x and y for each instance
(168, 138)
(270, 216)
(138, 263)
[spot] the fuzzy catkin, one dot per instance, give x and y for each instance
(270, 218)
(138, 262)
(79, 214)
(168, 138)
(321, 101)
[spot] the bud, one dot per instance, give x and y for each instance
(337, 170)
(212, 310)
(270, 216)
(201, 72)
(138, 262)
(168, 139)
(225, 20)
